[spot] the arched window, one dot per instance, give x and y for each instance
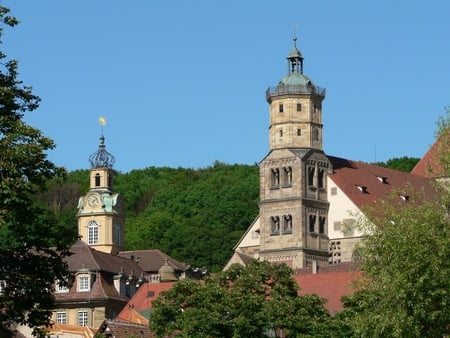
(97, 180)
(92, 232)
(287, 228)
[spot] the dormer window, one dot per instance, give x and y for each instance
(361, 188)
(382, 179)
(83, 283)
(60, 287)
(404, 198)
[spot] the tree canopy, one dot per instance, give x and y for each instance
(259, 300)
(32, 244)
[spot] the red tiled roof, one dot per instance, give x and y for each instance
(329, 285)
(91, 259)
(119, 329)
(143, 298)
(365, 183)
(152, 260)
(430, 165)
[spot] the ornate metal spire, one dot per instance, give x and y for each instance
(102, 158)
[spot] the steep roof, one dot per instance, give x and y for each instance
(152, 260)
(84, 256)
(142, 300)
(329, 285)
(430, 165)
(365, 183)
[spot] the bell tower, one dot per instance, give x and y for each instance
(100, 212)
(293, 201)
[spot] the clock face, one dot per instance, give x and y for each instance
(92, 201)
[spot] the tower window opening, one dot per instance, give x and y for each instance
(321, 178)
(321, 225)
(299, 106)
(281, 108)
(275, 225)
(310, 176)
(287, 179)
(299, 132)
(281, 132)
(316, 134)
(312, 223)
(287, 226)
(275, 178)
(97, 180)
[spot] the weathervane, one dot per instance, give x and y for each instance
(102, 122)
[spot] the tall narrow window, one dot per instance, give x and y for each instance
(316, 134)
(321, 225)
(83, 283)
(312, 223)
(281, 108)
(117, 233)
(275, 225)
(82, 319)
(287, 177)
(311, 176)
(321, 178)
(299, 106)
(287, 226)
(275, 177)
(92, 232)
(97, 180)
(281, 132)
(299, 132)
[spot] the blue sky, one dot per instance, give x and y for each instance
(182, 83)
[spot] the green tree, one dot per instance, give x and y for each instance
(259, 300)
(406, 289)
(404, 163)
(32, 245)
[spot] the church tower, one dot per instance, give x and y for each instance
(293, 195)
(100, 212)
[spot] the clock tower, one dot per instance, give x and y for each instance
(100, 212)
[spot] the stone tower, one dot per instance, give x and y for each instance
(100, 212)
(293, 198)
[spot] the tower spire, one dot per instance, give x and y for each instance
(102, 158)
(295, 58)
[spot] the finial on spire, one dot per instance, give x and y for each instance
(101, 158)
(295, 34)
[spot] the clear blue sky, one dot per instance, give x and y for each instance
(182, 83)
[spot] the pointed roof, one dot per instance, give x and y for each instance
(152, 260)
(84, 256)
(102, 158)
(365, 183)
(431, 165)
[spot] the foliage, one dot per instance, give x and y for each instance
(404, 163)
(259, 300)
(32, 245)
(405, 292)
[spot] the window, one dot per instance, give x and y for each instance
(61, 317)
(275, 177)
(337, 226)
(299, 132)
(287, 179)
(321, 225)
(83, 283)
(281, 108)
(82, 318)
(320, 178)
(310, 176)
(60, 288)
(92, 232)
(348, 227)
(287, 226)
(312, 223)
(97, 180)
(299, 106)
(117, 233)
(281, 132)
(334, 191)
(316, 134)
(275, 225)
